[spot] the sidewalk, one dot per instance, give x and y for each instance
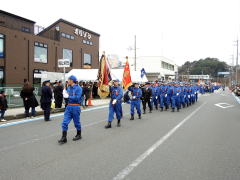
(18, 113)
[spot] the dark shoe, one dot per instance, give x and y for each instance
(177, 109)
(47, 119)
(132, 117)
(173, 109)
(156, 108)
(78, 136)
(109, 125)
(150, 111)
(144, 111)
(161, 109)
(63, 140)
(119, 123)
(139, 116)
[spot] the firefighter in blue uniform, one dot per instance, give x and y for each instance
(182, 96)
(155, 95)
(135, 101)
(115, 105)
(161, 95)
(72, 111)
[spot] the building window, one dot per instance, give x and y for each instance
(40, 52)
(25, 29)
(1, 76)
(67, 36)
(87, 60)
(68, 54)
(87, 42)
(2, 41)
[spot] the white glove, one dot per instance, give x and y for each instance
(165, 95)
(177, 94)
(134, 97)
(189, 96)
(114, 101)
(195, 93)
(65, 94)
(156, 97)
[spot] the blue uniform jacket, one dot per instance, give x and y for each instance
(75, 93)
(116, 93)
(136, 92)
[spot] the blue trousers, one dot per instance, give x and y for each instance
(182, 100)
(117, 109)
(162, 100)
(136, 104)
(71, 112)
(175, 102)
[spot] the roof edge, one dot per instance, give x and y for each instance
(18, 17)
(69, 23)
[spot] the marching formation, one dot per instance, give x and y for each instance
(158, 95)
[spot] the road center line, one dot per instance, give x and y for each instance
(126, 171)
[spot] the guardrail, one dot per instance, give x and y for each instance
(14, 98)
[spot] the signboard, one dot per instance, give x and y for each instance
(63, 63)
(223, 73)
(82, 33)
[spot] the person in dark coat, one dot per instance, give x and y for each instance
(87, 89)
(146, 98)
(46, 100)
(58, 94)
(3, 105)
(29, 99)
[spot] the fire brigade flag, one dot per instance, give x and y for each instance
(104, 77)
(126, 76)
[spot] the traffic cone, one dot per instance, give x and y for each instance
(90, 101)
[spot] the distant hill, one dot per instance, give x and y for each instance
(210, 66)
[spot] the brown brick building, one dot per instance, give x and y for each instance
(23, 55)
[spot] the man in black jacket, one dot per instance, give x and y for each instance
(146, 97)
(46, 100)
(58, 94)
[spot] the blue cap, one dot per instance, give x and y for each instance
(73, 78)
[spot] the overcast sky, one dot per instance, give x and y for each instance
(181, 30)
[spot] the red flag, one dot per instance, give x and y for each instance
(103, 78)
(126, 76)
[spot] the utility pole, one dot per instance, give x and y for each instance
(237, 64)
(135, 53)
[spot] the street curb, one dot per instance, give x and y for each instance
(39, 113)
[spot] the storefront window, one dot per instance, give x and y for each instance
(40, 52)
(68, 54)
(1, 46)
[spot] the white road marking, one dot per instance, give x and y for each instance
(223, 105)
(126, 171)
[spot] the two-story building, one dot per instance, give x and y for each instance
(25, 54)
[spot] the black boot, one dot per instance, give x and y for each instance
(132, 117)
(144, 111)
(119, 123)
(109, 125)
(78, 136)
(63, 140)
(177, 109)
(173, 109)
(161, 109)
(139, 116)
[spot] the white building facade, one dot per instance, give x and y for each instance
(156, 67)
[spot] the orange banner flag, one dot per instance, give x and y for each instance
(126, 76)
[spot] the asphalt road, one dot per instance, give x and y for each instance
(198, 143)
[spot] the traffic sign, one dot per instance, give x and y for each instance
(63, 63)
